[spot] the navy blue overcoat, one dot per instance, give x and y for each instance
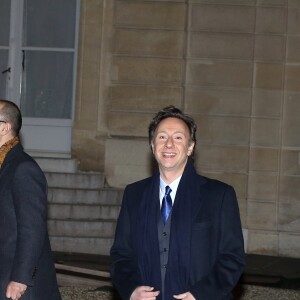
(216, 246)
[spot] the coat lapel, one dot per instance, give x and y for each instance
(198, 196)
(191, 188)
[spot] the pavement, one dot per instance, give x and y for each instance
(269, 271)
(272, 271)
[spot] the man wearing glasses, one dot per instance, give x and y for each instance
(26, 265)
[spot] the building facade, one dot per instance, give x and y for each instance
(233, 65)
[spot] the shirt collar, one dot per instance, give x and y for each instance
(173, 185)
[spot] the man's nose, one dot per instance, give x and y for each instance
(169, 142)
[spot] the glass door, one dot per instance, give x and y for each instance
(42, 56)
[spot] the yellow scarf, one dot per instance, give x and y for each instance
(5, 148)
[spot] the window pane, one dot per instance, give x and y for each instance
(47, 84)
(49, 23)
(4, 22)
(3, 77)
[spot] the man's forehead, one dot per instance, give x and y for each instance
(172, 123)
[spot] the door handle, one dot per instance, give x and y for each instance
(7, 70)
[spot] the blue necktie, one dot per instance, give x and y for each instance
(166, 205)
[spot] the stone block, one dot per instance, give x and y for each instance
(82, 212)
(127, 161)
(232, 2)
(92, 39)
(265, 132)
(289, 245)
(222, 158)
(271, 19)
(90, 59)
(220, 45)
(89, 81)
(267, 103)
(245, 236)
(217, 101)
(222, 18)
(143, 98)
(264, 159)
(90, 56)
(81, 196)
(292, 105)
(294, 19)
(243, 211)
(77, 180)
(150, 14)
(269, 48)
(99, 246)
(293, 49)
(146, 70)
(88, 146)
(83, 127)
(289, 216)
(81, 228)
(91, 26)
(222, 130)
(291, 120)
(290, 163)
(87, 110)
(261, 215)
(129, 124)
(58, 165)
(220, 73)
(268, 76)
(262, 242)
(294, 3)
(263, 186)
(271, 3)
(292, 78)
(92, 11)
(289, 189)
(149, 42)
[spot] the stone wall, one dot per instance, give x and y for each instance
(94, 51)
(234, 65)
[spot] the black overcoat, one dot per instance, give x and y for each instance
(216, 248)
(25, 253)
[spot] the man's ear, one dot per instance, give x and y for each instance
(5, 129)
(191, 148)
(152, 147)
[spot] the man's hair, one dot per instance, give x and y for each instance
(11, 113)
(172, 112)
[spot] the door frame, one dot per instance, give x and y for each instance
(46, 137)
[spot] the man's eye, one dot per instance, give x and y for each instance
(161, 137)
(178, 137)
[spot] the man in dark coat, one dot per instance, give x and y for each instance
(178, 234)
(26, 265)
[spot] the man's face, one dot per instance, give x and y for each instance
(171, 145)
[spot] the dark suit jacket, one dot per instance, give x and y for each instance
(216, 248)
(25, 254)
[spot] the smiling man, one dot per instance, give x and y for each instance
(179, 234)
